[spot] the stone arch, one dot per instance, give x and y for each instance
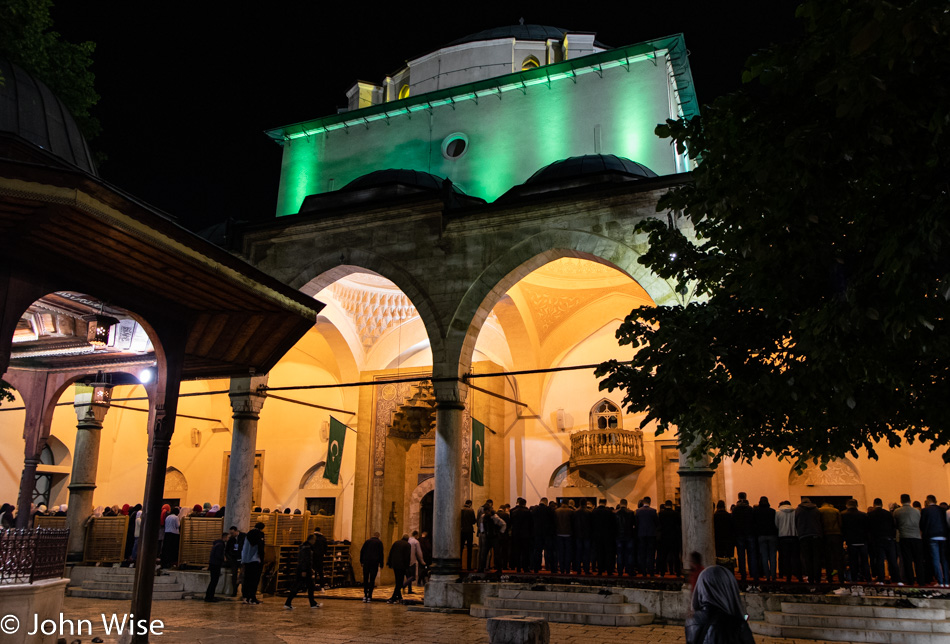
(176, 485)
(415, 500)
(313, 479)
(519, 261)
(335, 265)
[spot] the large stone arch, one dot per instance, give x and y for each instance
(332, 266)
(523, 258)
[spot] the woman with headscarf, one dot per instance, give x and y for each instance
(7, 520)
(161, 528)
(213, 510)
(252, 558)
(718, 615)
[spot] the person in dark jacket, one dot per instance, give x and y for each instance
(232, 555)
(582, 523)
(883, 533)
(763, 516)
(747, 544)
(933, 530)
(854, 529)
(306, 561)
(252, 558)
(647, 524)
(214, 566)
(399, 555)
(724, 532)
(808, 526)
(503, 541)
(718, 616)
(468, 526)
(564, 523)
(521, 537)
(371, 559)
(669, 540)
(319, 553)
(626, 539)
(542, 532)
(604, 537)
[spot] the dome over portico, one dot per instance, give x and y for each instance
(31, 111)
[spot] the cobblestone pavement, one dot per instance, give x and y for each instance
(340, 621)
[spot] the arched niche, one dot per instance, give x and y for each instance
(839, 479)
(176, 485)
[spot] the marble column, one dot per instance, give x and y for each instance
(91, 405)
(696, 501)
(446, 545)
(246, 404)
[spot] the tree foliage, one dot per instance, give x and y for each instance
(811, 249)
(27, 39)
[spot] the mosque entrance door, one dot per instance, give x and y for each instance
(425, 513)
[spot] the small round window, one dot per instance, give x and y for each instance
(454, 145)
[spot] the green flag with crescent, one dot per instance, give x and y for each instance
(478, 453)
(335, 451)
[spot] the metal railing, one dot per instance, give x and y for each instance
(31, 555)
(607, 447)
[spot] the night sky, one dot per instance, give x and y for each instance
(187, 89)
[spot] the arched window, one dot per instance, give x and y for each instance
(404, 91)
(530, 63)
(606, 415)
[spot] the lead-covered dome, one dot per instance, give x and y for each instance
(30, 110)
(589, 164)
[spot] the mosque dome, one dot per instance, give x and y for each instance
(30, 111)
(581, 171)
(388, 184)
(518, 32)
(389, 177)
(590, 164)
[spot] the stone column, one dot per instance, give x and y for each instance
(697, 508)
(447, 562)
(91, 405)
(246, 403)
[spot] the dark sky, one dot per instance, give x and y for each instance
(188, 88)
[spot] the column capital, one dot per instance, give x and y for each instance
(247, 396)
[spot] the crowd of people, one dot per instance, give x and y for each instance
(902, 544)
(574, 537)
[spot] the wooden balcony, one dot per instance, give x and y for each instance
(609, 452)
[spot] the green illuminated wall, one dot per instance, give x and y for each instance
(510, 136)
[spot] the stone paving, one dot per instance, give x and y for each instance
(340, 621)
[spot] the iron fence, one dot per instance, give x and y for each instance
(31, 555)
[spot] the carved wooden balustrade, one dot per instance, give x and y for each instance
(607, 447)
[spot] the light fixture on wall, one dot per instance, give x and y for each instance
(325, 430)
(195, 437)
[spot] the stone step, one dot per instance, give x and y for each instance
(864, 611)
(129, 579)
(110, 585)
(560, 596)
(847, 634)
(594, 619)
(566, 607)
(870, 623)
(120, 594)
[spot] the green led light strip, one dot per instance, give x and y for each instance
(520, 86)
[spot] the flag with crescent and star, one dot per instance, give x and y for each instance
(334, 451)
(478, 453)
